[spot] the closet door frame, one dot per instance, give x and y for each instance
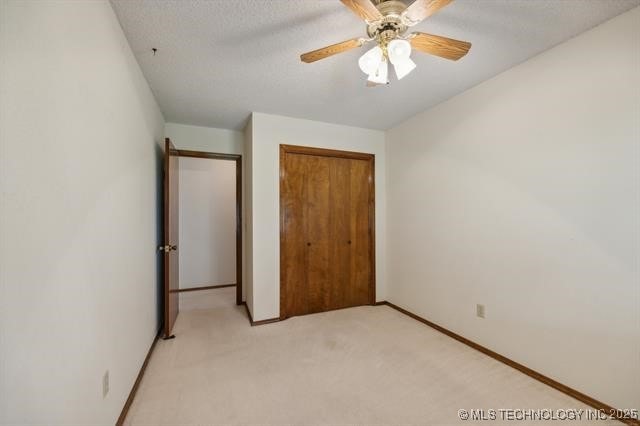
(305, 150)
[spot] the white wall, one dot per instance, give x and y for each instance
(267, 134)
(206, 139)
(207, 246)
(79, 173)
(523, 194)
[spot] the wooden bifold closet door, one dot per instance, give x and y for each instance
(327, 221)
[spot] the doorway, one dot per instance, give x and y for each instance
(202, 228)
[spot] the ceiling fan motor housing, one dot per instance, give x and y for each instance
(391, 25)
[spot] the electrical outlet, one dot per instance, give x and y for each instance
(480, 311)
(105, 384)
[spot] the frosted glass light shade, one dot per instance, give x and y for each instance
(381, 75)
(404, 67)
(370, 61)
(398, 50)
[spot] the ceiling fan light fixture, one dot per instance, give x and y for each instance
(370, 62)
(403, 68)
(381, 75)
(387, 23)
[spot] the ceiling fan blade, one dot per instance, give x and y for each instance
(334, 49)
(364, 9)
(444, 47)
(420, 9)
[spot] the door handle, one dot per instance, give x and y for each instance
(167, 248)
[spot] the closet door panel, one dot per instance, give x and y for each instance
(360, 229)
(293, 248)
(339, 232)
(317, 219)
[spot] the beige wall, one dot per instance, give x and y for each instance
(80, 176)
(268, 132)
(523, 194)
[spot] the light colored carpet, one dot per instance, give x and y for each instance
(368, 366)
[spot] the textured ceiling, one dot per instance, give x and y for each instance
(219, 60)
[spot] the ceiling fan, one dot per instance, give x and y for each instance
(387, 22)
